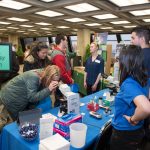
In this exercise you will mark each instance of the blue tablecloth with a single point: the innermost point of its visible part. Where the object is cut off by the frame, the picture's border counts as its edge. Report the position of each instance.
(11, 140)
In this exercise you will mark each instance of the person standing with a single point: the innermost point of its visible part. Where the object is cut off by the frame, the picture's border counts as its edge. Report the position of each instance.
(141, 36)
(131, 103)
(58, 57)
(93, 69)
(37, 58)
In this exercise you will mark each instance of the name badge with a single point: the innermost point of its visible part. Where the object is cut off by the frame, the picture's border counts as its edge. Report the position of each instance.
(97, 61)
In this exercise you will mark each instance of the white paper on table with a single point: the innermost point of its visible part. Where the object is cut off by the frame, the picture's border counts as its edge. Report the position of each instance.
(49, 116)
(55, 142)
(46, 127)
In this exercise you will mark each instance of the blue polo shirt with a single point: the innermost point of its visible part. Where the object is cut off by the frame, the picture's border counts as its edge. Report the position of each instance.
(124, 104)
(93, 68)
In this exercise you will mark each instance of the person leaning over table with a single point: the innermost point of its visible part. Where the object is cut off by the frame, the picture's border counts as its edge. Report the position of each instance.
(29, 87)
(131, 103)
(93, 69)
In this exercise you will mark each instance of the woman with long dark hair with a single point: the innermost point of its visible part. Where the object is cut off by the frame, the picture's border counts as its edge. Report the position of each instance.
(37, 58)
(131, 103)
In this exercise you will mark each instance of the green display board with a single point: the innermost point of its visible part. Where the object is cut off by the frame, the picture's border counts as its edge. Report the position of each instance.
(79, 79)
(5, 57)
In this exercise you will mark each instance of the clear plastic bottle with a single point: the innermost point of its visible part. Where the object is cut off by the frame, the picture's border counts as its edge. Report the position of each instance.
(96, 99)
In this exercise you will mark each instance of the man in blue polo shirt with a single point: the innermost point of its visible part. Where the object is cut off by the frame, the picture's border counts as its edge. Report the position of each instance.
(93, 69)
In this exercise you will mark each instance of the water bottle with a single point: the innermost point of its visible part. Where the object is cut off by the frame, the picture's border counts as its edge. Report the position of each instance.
(96, 99)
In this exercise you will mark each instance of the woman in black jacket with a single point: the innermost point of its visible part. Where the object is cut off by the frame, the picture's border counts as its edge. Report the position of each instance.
(37, 58)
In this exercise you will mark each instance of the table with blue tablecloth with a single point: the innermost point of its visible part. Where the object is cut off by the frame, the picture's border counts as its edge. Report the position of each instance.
(11, 140)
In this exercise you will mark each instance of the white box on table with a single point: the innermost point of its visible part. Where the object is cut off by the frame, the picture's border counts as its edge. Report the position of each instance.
(73, 102)
(55, 142)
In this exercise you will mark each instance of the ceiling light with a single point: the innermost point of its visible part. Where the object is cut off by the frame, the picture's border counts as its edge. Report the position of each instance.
(83, 7)
(48, 32)
(20, 31)
(13, 4)
(49, 13)
(128, 2)
(140, 12)
(105, 16)
(27, 26)
(146, 20)
(106, 28)
(17, 19)
(45, 28)
(93, 24)
(62, 27)
(75, 29)
(3, 29)
(12, 28)
(116, 30)
(32, 30)
(2, 22)
(47, 0)
(75, 19)
(120, 22)
(129, 26)
(43, 23)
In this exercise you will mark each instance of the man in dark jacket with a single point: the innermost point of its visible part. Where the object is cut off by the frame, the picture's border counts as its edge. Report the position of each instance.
(141, 36)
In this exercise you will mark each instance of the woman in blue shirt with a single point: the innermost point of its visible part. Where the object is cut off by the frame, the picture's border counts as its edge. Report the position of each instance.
(131, 103)
(93, 69)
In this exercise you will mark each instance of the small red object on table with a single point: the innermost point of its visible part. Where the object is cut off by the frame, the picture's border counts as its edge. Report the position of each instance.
(93, 106)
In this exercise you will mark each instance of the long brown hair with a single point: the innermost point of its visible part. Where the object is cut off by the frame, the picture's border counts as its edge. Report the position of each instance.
(48, 73)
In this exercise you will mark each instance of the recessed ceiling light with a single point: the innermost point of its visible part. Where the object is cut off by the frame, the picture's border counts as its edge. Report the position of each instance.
(13, 4)
(146, 20)
(93, 24)
(2, 22)
(128, 2)
(83, 7)
(62, 27)
(116, 30)
(120, 22)
(43, 23)
(3, 29)
(75, 19)
(12, 28)
(48, 32)
(47, 0)
(45, 28)
(20, 31)
(32, 30)
(105, 16)
(75, 29)
(17, 19)
(140, 12)
(106, 28)
(27, 26)
(129, 26)
(49, 13)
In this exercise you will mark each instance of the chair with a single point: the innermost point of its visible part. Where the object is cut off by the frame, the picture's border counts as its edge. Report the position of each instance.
(103, 139)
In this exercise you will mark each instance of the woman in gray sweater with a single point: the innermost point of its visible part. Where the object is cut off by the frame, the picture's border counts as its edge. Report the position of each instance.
(27, 88)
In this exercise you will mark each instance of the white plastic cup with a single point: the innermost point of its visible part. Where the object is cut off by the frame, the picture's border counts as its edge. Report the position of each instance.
(78, 134)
